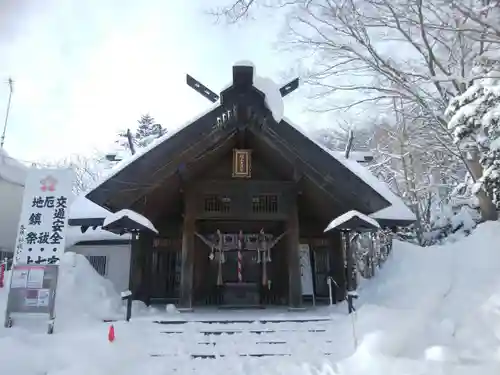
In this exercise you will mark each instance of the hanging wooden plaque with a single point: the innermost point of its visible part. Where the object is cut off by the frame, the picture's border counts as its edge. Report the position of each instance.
(242, 163)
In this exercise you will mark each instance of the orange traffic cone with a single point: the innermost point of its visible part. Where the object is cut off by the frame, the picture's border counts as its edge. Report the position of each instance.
(111, 333)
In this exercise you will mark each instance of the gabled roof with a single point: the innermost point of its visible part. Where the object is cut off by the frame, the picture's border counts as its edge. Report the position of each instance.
(242, 109)
(353, 220)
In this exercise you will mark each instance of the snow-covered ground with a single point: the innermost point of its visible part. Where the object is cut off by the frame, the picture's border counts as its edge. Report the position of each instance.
(430, 310)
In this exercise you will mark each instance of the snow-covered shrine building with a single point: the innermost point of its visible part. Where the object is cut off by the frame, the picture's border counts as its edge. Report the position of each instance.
(233, 194)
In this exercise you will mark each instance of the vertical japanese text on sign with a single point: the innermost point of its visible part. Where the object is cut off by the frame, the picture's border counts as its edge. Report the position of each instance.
(44, 217)
(242, 163)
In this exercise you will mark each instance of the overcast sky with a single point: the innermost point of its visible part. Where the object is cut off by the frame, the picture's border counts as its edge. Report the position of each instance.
(85, 69)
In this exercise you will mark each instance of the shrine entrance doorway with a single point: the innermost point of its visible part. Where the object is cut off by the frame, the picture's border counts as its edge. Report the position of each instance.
(241, 264)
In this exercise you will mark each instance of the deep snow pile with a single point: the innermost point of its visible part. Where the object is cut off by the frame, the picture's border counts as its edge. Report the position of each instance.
(83, 293)
(438, 302)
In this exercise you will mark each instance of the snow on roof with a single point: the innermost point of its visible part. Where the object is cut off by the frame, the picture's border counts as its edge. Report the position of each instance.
(84, 208)
(74, 235)
(348, 216)
(361, 156)
(396, 211)
(132, 215)
(245, 63)
(12, 170)
(273, 98)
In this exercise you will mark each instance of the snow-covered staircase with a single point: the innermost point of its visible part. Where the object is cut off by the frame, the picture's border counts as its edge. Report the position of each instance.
(212, 340)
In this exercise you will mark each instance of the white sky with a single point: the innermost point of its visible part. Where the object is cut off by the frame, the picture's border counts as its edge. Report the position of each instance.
(85, 69)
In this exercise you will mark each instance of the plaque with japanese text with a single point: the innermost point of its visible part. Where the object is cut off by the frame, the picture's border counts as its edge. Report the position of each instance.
(242, 163)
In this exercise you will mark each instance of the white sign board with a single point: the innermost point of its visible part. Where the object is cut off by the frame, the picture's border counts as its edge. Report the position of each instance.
(306, 270)
(44, 218)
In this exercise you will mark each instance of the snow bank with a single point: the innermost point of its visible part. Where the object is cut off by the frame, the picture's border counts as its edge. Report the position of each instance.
(84, 294)
(439, 301)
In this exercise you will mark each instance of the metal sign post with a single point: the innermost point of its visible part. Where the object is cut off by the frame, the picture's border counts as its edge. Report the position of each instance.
(33, 292)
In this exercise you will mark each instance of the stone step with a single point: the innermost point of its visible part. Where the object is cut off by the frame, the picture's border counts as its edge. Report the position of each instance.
(240, 331)
(243, 321)
(216, 356)
(214, 343)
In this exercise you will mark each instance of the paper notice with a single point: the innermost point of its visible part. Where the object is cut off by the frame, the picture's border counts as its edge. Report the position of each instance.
(35, 278)
(31, 299)
(19, 278)
(43, 297)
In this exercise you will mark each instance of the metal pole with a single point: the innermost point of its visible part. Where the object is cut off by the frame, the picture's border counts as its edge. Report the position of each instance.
(11, 87)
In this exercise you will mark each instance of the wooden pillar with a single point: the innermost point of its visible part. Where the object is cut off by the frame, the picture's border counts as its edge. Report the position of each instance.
(337, 265)
(294, 278)
(132, 275)
(133, 281)
(350, 267)
(146, 241)
(187, 256)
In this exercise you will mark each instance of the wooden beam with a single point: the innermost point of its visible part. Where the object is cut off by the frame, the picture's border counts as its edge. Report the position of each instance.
(201, 89)
(187, 257)
(294, 278)
(289, 87)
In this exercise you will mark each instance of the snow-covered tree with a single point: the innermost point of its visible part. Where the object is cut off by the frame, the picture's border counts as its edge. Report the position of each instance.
(147, 131)
(88, 170)
(475, 119)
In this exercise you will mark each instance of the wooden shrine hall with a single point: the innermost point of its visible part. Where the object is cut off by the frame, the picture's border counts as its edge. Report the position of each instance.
(234, 196)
